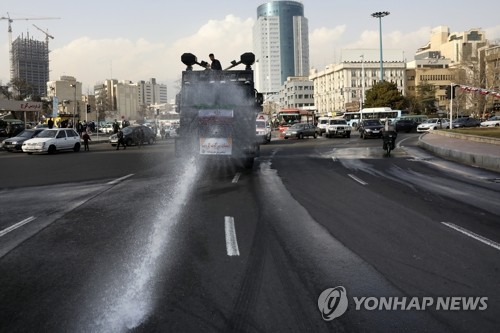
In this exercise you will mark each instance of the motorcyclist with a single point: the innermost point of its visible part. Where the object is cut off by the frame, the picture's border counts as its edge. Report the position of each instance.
(387, 130)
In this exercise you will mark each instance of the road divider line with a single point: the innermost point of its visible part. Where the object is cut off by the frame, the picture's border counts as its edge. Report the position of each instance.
(236, 177)
(231, 241)
(473, 235)
(116, 181)
(15, 226)
(357, 179)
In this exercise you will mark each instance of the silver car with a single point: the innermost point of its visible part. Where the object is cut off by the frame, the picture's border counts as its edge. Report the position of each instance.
(432, 124)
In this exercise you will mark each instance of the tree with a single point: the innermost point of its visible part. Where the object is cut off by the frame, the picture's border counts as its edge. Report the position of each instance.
(5, 92)
(426, 98)
(20, 88)
(385, 94)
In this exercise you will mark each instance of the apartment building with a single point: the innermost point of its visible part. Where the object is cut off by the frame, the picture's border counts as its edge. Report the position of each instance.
(341, 87)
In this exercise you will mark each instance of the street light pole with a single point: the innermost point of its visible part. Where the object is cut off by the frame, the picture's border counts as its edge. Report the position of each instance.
(379, 15)
(74, 107)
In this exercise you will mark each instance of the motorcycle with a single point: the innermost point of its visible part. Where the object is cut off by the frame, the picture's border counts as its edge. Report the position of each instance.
(389, 141)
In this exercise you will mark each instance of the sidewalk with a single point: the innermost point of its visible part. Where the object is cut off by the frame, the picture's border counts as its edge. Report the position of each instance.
(465, 149)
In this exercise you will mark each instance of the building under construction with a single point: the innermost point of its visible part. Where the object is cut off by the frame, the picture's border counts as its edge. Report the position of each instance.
(30, 62)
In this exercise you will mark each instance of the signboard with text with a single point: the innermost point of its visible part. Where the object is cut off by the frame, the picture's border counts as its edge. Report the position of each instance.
(10, 105)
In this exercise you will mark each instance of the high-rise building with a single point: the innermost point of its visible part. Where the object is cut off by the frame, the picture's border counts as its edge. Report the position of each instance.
(281, 44)
(151, 92)
(30, 62)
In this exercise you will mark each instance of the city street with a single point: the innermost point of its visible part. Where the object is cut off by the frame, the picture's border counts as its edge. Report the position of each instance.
(138, 240)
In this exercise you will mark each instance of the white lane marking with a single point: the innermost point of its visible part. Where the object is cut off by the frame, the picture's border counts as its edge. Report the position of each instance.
(15, 226)
(473, 235)
(116, 181)
(231, 241)
(357, 179)
(236, 177)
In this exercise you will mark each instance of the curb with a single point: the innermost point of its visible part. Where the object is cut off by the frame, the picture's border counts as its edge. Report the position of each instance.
(475, 138)
(479, 160)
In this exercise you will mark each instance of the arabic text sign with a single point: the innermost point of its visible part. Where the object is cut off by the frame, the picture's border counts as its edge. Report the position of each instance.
(11, 105)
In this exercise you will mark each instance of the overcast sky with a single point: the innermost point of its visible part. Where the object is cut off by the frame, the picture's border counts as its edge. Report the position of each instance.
(139, 40)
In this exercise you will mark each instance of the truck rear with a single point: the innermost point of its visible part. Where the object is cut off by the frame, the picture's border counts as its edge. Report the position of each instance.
(218, 110)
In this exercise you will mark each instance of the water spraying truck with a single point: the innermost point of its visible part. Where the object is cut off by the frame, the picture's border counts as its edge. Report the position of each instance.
(218, 110)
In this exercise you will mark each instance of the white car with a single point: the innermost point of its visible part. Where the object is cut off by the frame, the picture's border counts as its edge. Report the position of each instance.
(322, 124)
(338, 127)
(52, 140)
(263, 131)
(432, 124)
(491, 122)
(106, 128)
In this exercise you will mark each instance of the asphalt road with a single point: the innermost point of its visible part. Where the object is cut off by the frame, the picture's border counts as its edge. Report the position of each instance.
(137, 240)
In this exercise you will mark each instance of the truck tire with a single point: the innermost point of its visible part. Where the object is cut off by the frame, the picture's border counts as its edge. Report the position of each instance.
(248, 162)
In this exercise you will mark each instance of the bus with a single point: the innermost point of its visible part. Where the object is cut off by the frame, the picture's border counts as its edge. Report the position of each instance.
(353, 118)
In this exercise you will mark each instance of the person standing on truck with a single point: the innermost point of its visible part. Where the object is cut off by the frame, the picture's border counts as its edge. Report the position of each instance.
(215, 63)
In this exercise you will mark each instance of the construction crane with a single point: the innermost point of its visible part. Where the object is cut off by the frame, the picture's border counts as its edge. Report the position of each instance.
(47, 36)
(10, 20)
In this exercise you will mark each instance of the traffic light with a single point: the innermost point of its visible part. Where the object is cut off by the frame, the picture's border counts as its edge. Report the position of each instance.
(88, 108)
(451, 92)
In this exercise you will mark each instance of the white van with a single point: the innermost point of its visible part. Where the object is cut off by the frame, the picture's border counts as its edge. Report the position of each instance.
(322, 124)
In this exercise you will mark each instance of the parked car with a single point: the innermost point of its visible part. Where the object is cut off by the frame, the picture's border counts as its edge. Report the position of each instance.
(52, 140)
(370, 128)
(466, 122)
(16, 127)
(338, 127)
(491, 122)
(15, 143)
(432, 124)
(405, 125)
(106, 128)
(301, 130)
(131, 135)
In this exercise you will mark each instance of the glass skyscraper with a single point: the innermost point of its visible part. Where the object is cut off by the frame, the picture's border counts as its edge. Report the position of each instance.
(281, 44)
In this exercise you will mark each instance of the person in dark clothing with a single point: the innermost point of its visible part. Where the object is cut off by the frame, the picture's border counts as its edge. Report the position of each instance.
(116, 127)
(215, 63)
(50, 123)
(86, 139)
(121, 141)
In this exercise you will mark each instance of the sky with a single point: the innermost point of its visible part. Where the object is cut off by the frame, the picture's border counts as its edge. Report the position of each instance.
(139, 40)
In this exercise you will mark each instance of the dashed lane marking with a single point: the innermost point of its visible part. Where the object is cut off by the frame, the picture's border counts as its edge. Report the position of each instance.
(236, 178)
(473, 235)
(17, 225)
(362, 182)
(231, 241)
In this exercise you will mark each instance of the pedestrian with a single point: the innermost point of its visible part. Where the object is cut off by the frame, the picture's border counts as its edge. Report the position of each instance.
(162, 132)
(215, 63)
(116, 127)
(50, 123)
(140, 136)
(121, 141)
(86, 139)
